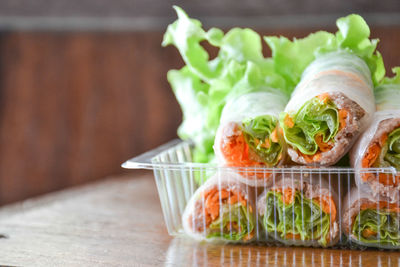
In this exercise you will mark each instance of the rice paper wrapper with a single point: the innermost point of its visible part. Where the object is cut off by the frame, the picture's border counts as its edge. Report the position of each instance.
(342, 75)
(311, 185)
(382, 120)
(387, 97)
(352, 205)
(268, 102)
(320, 77)
(249, 106)
(194, 213)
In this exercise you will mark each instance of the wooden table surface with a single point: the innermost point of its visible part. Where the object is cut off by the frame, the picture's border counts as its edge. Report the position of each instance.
(118, 222)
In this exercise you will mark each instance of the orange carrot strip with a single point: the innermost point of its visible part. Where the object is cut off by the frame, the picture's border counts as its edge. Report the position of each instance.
(320, 142)
(288, 121)
(367, 232)
(287, 194)
(327, 205)
(293, 236)
(323, 97)
(274, 136)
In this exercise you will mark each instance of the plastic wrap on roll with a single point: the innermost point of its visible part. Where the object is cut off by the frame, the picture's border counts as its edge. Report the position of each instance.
(221, 210)
(379, 146)
(249, 135)
(369, 221)
(300, 210)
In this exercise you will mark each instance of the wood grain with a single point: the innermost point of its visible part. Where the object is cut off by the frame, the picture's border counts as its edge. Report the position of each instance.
(118, 222)
(75, 105)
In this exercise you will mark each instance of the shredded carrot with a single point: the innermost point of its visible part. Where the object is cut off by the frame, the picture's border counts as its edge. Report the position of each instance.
(287, 194)
(214, 198)
(248, 236)
(388, 179)
(311, 158)
(274, 136)
(327, 205)
(371, 155)
(373, 152)
(370, 158)
(321, 145)
(288, 121)
(237, 153)
(323, 97)
(267, 143)
(293, 236)
(367, 232)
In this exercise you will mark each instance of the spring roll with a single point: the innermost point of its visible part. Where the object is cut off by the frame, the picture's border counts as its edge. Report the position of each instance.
(379, 146)
(300, 210)
(328, 109)
(372, 222)
(249, 134)
(221, 209)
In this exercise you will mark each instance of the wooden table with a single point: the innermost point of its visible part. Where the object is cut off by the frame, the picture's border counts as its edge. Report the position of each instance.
(118, 222)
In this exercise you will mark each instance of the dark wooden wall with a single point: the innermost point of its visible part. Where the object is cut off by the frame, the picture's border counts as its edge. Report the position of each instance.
(75, 105)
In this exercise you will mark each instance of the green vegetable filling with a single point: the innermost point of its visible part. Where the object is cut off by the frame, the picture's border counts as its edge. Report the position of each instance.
(390, 153)
(234, 223)
(302, 217)
(258, 133)
(372, 226)
(315, 118)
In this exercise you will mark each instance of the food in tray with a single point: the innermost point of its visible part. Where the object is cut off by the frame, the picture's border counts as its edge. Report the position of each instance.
(249, 134)
(300, 211)
(330, 78)
(372, 222)
(331, 105)
(221, 209)
(311, 101)
(379, 145)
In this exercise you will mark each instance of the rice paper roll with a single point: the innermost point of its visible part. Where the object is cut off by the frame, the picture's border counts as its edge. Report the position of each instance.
(249, 134)
(379, 146)
(300, 210)
(328, 109)
(221, 210)
(369, 221)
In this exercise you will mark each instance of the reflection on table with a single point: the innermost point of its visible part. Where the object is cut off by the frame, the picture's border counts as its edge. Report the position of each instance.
(186, 252)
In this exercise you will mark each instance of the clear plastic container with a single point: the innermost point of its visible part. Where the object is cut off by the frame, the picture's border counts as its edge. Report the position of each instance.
(293, 206)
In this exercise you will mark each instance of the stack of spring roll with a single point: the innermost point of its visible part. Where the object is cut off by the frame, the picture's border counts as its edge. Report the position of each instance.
(328, 110)
(331, 108)
(371, 215)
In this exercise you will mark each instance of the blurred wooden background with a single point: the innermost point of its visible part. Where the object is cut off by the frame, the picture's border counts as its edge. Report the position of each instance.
(75, 104)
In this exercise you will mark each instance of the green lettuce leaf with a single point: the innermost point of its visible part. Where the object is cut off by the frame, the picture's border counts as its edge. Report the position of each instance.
(315, 117)
(259, 129)
(302, 217)
(222, 226)
(385, 224)
(390, 153)
(292, 57)
(204, 86)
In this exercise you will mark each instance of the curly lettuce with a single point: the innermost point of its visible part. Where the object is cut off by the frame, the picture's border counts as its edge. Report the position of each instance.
(303, 217)
(377, 227)
(390, 152)
(203, 86)
(316, 118)
(292, 57)
(261, 135)
(233, 223)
